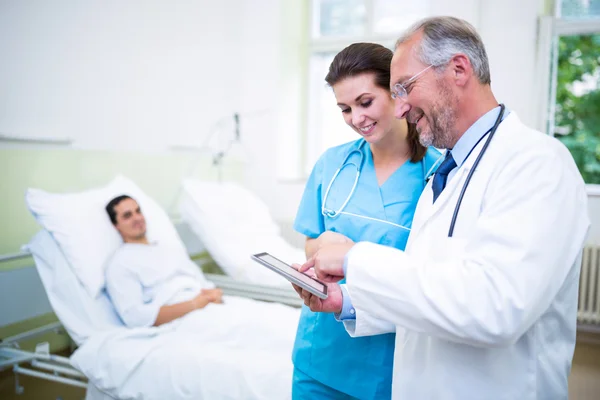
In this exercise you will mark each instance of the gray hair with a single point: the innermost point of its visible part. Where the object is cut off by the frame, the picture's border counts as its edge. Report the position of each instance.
(443, 38)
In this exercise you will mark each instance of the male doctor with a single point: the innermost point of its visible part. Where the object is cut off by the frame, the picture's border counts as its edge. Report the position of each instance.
(490, 312)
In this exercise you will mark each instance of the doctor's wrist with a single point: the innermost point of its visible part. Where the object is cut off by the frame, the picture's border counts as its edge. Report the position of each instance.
(347, 311)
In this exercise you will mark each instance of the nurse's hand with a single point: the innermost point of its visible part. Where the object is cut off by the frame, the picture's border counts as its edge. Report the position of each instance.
(324, 239)
(330, 237)
(328, 262)
(333, 302)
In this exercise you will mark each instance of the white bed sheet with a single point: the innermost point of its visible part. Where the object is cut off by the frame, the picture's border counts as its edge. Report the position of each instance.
(232, 224)
(239, 350)
(185, 360)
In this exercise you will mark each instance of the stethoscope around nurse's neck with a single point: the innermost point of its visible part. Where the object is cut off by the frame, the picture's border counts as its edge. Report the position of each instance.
(331, 213)
(328, 212)
(431, 172)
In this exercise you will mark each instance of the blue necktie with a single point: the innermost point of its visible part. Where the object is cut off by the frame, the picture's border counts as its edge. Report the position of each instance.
(441, 175)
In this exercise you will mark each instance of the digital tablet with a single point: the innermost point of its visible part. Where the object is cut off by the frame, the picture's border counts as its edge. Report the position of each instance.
(314, 286)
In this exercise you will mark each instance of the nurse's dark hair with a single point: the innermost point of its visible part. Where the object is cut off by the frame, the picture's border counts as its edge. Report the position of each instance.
(371, 58)
(110, 207)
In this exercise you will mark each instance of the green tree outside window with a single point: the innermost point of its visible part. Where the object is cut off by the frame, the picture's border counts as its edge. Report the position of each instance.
(577, 113)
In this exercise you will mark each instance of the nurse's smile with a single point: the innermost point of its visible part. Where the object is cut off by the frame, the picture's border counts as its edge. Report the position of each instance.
(367, 129)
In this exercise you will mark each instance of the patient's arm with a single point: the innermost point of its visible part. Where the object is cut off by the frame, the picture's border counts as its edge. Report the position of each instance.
(174, 311)
(126, 293)
(328, 237)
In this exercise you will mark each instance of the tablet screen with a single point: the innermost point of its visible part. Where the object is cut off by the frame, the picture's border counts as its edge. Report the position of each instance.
(280, 265)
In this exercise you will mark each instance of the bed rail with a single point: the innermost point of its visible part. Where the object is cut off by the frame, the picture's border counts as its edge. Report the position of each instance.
(284, 294)
(52, 327)
(39, 364)
(14, 256)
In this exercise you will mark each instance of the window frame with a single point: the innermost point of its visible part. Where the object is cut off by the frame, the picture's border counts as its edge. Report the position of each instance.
(550, 28)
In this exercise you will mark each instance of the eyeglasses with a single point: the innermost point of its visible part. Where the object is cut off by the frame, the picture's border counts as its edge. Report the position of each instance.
(399, 90)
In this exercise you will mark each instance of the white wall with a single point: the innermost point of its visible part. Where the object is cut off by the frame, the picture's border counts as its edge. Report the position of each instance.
(117, 74)
(594, 210)
(509, 31)
(258, 77)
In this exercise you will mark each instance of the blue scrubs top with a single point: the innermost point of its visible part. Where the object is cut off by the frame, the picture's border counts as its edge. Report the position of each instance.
(360, 367)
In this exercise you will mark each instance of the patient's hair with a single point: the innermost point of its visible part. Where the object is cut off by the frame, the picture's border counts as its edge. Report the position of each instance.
(110, 207)
(362, 58)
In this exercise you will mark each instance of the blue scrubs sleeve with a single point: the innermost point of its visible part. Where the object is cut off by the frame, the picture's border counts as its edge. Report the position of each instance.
(309, 220)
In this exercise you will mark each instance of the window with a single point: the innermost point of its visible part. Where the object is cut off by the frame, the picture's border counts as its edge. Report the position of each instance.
(578, 8)
(334, 24)
(574, 107)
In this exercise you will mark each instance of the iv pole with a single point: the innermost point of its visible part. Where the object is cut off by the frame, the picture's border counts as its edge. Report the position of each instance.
(218, 157)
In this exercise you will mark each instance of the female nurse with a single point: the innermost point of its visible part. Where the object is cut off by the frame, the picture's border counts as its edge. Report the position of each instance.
(365, 190)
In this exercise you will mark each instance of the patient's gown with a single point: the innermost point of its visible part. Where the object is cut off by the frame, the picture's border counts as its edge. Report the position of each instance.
(142, 278)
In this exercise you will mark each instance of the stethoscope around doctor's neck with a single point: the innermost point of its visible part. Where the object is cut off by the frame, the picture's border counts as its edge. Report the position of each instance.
(336, 213)
(491, 132)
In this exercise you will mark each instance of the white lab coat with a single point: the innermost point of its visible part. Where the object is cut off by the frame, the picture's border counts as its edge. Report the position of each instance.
(490, 313)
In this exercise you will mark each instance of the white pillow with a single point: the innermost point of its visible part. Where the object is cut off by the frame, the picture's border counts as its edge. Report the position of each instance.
(232, 224)
(231, 207)
(81, 227)
(81, 315)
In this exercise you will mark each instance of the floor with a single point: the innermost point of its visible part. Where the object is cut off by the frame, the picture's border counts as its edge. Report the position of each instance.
(36, 389)
(584, 381)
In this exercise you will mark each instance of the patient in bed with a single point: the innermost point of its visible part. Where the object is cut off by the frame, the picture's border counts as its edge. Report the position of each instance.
(151, 284)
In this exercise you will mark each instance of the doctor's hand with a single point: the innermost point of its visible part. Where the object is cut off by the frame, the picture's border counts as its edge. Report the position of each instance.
(328, 262)
(333, 302)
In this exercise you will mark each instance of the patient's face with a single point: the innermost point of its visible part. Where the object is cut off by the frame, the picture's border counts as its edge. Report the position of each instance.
(131, 223)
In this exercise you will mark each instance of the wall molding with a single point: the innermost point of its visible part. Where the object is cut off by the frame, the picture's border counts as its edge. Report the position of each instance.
(64, 141)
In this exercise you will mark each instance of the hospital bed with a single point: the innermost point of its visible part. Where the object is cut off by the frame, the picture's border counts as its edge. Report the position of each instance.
(104, 344)
(114, 362)
(231, 222)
